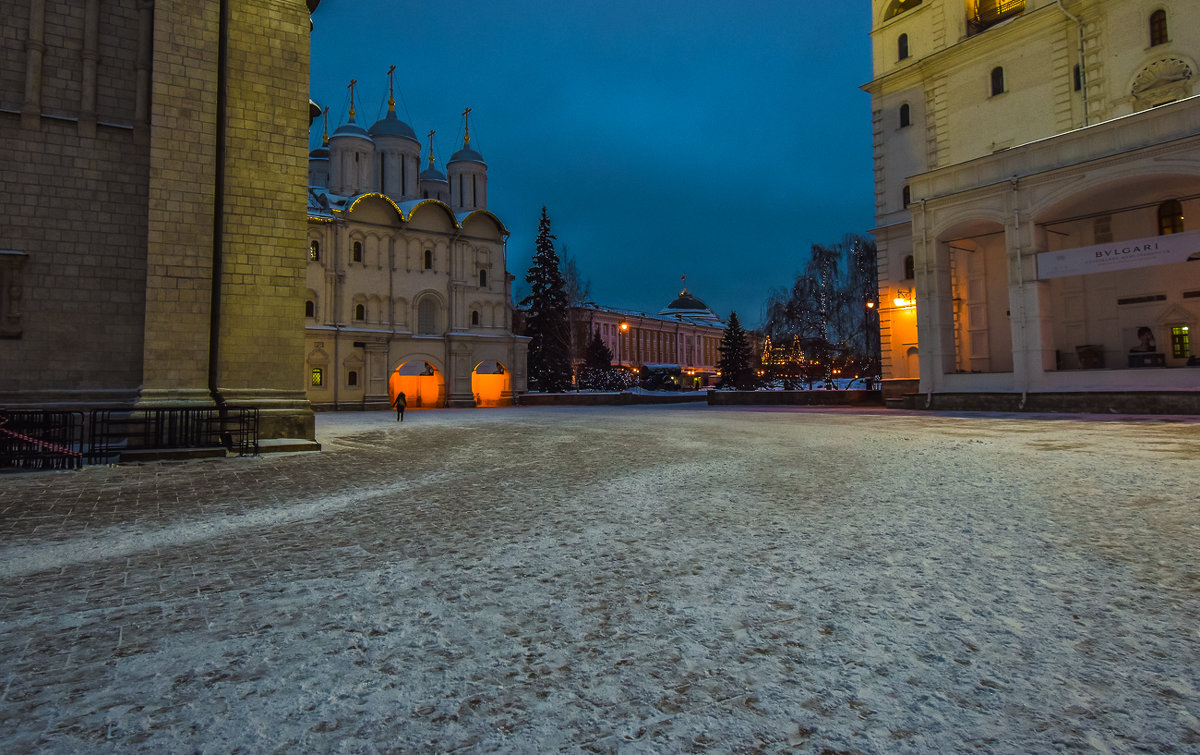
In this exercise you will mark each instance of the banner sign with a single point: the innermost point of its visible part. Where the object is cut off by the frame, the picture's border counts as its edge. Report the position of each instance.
(1121, 255)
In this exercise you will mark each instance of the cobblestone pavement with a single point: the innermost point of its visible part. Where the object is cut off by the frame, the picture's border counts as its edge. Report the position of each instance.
(616, 579)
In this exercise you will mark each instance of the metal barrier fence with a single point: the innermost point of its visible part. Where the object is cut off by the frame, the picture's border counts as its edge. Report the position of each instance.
(113, 431)
(40, 439)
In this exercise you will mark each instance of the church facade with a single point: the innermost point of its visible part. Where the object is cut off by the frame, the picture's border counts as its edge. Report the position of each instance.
(1037, 174)
(407, 285)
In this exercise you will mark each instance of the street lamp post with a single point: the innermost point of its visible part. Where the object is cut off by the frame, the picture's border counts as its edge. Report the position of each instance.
(621, 337)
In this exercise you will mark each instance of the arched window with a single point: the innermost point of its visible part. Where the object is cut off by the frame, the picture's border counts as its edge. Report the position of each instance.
(318, 377)
(483, 278)
(902, 47)
(910, 268)
(351, 378)
(905, 116)
(310, 308)
(360, 312)
(474, 316)
(997, 81)
(427, 316)
(356, 252)
(314, 250)
(1170, 217)
(1158, 28)
(905, 196)
(428, 259)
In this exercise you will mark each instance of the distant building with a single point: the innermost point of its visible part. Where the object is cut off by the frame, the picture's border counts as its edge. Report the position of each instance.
(685, 332)
(152, 251)
(408, 288)
(1037, 174)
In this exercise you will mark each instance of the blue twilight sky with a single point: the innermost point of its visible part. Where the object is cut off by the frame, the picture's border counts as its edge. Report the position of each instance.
(665, 137)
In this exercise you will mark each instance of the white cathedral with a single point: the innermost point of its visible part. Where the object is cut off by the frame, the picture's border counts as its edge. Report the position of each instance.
(408, 288)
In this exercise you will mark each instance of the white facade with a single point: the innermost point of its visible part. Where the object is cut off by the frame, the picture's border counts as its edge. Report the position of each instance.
(405, 291)
(1007, 129)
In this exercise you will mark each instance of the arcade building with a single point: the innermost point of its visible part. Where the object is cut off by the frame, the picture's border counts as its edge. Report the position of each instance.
(1037, 178)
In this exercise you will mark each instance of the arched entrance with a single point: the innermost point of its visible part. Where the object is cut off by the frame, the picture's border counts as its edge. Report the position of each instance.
(422, 383)
(491, 384)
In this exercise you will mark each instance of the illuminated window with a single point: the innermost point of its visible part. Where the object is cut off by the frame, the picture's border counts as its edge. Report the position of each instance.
(352, 378)
(1170, 217)
(997, 81)
(310, 308)
(314, 250)
(318, 377)
(428, 259)
(1158, 28)
(356, 252)
(1181, 347)
(360, 312)
(990, 12)
(905, 116)
(899, 6)
(902, 47)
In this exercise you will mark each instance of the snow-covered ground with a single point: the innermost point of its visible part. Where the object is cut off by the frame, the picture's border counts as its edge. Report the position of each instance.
(641, 579)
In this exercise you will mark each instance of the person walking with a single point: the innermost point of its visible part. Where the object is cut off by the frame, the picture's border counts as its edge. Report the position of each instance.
(400, 403)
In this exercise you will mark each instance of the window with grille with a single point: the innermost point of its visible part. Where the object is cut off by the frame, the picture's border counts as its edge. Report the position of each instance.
(1158, 28)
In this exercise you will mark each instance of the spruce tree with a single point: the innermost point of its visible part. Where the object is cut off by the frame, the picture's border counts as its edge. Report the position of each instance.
(734, 364)
(546, 322)
(597, 373)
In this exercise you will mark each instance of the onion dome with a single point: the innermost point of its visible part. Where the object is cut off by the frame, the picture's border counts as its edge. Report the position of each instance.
(466, 155)
(320, 153)
(432, 174)
(351, 129)
(390, 125)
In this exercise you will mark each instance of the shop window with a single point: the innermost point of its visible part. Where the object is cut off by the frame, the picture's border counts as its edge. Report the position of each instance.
(1181, 346)
(314, 250)
(310, 308)
(1158, 28)
(1170, 217)
(352, 378)
(360, 312)
(902, 47)
(997, 80)
(318, 377)
(356, 252)
(428, 259)
(483, 278)
(910, 268)
(905, 116)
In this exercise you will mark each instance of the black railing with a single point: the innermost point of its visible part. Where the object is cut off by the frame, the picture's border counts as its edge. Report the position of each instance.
(117, 431)
(40, 439)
